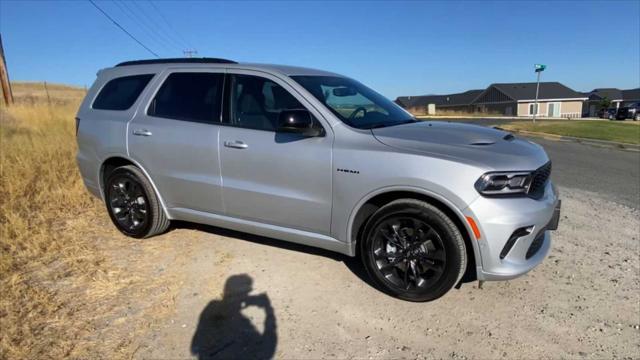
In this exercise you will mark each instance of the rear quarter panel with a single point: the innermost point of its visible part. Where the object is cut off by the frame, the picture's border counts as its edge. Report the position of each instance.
(102, 133)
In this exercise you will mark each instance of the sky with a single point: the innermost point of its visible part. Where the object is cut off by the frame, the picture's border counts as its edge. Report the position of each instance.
(397, 48)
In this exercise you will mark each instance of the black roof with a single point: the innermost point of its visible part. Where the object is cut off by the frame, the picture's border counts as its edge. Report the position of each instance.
(609, 93)
(631, 94)
(527, 91)
(202, 60)
(464, 98)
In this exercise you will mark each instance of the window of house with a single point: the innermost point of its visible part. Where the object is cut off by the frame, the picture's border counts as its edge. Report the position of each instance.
(120, 93)
(533, 109)
(190, 97)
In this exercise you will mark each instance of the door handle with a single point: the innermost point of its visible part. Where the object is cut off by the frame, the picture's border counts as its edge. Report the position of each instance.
(236, 144)
(142, 132)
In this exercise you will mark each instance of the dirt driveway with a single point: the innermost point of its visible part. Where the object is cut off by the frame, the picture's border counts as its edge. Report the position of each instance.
(216, 293)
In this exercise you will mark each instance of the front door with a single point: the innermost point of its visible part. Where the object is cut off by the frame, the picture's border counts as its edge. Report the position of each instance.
(269, 177)
(175, 138)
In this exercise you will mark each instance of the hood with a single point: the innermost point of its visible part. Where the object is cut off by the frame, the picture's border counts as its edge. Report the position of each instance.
(490, 148)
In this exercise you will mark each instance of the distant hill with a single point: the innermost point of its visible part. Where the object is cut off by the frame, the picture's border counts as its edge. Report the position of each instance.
(33, 92)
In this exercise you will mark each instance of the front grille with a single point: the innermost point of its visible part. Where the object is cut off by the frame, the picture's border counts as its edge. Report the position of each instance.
(536, 244)
(539, 181)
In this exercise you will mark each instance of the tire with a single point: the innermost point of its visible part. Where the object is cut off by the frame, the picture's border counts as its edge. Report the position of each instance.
(429, 251)
(132, 203)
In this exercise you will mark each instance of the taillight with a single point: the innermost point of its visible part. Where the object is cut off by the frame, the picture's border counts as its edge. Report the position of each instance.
(77, 125)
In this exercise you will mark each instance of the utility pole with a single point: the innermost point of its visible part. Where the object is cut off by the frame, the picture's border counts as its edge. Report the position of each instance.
(4, 77)
(190, 53)
(539, 68)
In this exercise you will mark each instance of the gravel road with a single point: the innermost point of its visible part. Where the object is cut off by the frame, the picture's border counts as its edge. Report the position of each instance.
(218, 293)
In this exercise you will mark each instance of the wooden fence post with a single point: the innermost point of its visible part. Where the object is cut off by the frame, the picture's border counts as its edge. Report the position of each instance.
(46, 90)
(4, 77)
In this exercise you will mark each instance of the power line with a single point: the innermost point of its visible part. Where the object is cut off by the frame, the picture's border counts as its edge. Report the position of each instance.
(160, 31)
(128, 11)
(123, 29)
(166, 21)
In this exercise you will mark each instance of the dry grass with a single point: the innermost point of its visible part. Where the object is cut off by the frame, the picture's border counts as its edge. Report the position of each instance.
(56, 285)
(72, 286)
(42, 209)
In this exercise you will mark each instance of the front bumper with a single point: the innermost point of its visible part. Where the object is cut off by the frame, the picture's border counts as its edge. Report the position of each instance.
(498, 219)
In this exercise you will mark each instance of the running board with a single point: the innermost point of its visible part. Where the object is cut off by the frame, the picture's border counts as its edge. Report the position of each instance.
(267, 230)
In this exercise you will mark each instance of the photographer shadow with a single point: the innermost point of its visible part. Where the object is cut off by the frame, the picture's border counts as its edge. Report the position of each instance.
(223, 332)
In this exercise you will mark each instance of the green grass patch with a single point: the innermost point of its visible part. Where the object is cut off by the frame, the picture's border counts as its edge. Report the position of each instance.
(625, 132)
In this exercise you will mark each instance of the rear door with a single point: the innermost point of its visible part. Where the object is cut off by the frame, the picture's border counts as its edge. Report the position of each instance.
(270, 177)
(174, 136)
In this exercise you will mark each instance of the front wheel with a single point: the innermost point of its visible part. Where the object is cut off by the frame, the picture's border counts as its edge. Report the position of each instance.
(412, 250)
(132, 204)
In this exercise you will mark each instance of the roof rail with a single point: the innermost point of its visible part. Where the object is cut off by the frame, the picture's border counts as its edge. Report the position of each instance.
(203, 60)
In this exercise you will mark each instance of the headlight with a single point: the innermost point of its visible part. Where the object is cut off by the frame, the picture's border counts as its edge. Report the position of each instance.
(504, 183)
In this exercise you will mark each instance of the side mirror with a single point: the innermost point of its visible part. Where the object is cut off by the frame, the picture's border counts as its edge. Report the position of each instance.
(298, 122)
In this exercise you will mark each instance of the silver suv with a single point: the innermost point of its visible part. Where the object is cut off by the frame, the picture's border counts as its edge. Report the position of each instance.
(315, 158)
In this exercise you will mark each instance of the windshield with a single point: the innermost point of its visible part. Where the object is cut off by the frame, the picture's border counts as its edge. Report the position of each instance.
(355, 104)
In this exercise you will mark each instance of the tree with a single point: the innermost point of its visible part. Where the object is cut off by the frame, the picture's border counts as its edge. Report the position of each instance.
(605, 103)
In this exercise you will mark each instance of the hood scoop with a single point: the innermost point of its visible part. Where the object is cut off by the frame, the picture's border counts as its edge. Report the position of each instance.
(482, 143)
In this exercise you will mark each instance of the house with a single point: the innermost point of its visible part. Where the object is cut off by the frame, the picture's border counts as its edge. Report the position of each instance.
(518, 99)
(455, 102)
(511, 99)
(617, 98)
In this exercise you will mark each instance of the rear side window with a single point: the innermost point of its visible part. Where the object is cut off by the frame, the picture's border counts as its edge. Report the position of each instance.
(121, 93)
(189, 96)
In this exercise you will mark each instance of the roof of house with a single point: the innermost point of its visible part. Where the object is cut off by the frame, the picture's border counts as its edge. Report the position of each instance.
(631, 94)
(609, 93)
(464, 98)
(527, 91)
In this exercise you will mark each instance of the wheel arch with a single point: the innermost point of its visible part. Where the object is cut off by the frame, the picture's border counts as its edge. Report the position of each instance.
(373, 201)
(115, 161)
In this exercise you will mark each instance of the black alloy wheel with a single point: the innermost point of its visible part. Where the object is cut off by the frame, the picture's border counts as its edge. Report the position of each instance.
(128, 203)
(413, 251)
(132, 203)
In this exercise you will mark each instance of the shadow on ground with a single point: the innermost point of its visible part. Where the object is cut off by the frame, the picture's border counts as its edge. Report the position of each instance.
(223, 332)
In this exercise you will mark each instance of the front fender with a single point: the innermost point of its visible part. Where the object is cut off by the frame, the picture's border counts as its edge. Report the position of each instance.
(459, 213)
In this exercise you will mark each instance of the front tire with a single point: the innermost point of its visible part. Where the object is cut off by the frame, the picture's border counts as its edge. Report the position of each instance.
(132, 203)
(413, 251)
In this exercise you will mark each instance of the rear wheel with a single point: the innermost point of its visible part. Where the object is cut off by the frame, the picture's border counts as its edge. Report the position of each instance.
(413, 251)
(132, 203)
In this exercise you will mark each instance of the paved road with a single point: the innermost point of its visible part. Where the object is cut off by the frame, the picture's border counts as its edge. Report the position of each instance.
(614, 174)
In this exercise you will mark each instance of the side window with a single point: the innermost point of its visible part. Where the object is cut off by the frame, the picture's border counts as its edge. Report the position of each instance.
(256, 102)
(121, 93)
(189, 96)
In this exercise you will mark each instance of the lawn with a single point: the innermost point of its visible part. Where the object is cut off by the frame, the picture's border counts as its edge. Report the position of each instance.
(624, 132)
